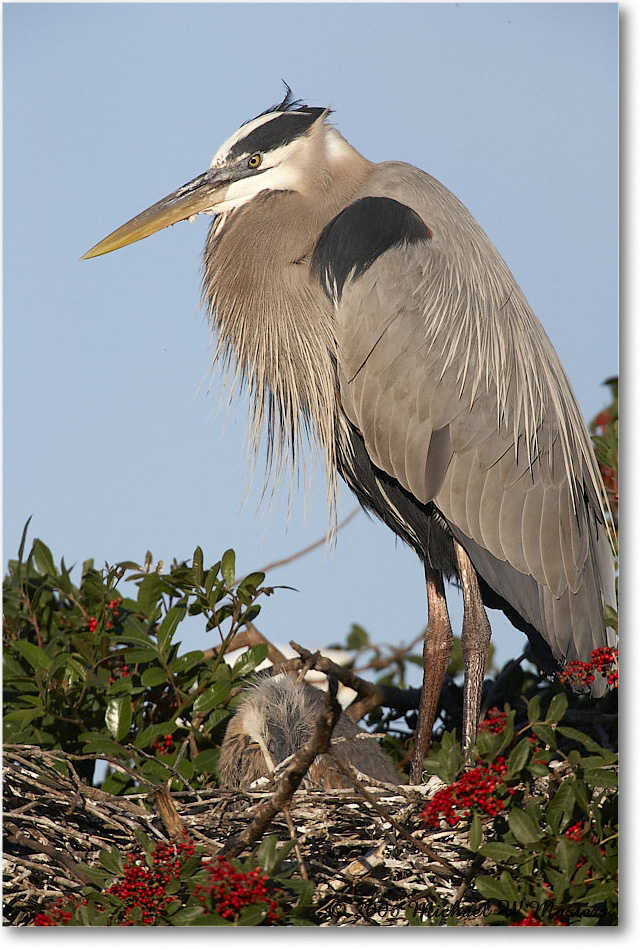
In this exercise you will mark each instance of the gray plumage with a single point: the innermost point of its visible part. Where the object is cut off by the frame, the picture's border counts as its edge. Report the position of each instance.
(275, 719)
(363, 306)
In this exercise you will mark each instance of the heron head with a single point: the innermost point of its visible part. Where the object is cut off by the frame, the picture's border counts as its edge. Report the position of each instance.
(283, 149)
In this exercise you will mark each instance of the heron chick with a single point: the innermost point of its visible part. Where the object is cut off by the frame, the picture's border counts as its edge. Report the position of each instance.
(276, 718)
(363, 303)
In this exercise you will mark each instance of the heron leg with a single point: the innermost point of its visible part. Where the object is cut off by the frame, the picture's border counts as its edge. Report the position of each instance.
(475, 640)
(438, 644)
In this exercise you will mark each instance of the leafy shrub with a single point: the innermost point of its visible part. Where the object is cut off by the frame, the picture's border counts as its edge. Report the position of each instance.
(180, 885)
(541, 815)
(89, 670)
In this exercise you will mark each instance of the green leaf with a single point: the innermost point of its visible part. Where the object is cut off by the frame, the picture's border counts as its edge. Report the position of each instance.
(154, 771)
(266, 854)
(211, 920)
(518, 758)
(252, 915)
(494, 889)
(112, 861)
(228, 567)
(249, 660)
(557, 708)
(601, 778)
(118, 716)
(43, 557)
(475, 833)
(168, 627)
(95, 874)
(611, 617)
(249, 585)
(138, 637)
(212, 697)
(59, 663)
(581, 793)
(590, 744)
(187, 915)
(187, 661)
(153, 676)
(545, 733)
(106, 746)
(211, 579)
(255, 579)
(116, 782)
(487, 744)
(501, 852)
(190, 866)
(24, 716)
(568, 854)
(523, 826)
(358, 638)
(35, 657)
(144, 841)
(560, 808)
(23, 539)
(219, 715)
(149, 591)
(144, 655)
(509, 886)
(532, 710)
(206, 762)
(147, 736)
(197, 566)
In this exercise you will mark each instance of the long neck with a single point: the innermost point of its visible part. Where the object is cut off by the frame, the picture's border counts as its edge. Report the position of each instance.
(274, 324)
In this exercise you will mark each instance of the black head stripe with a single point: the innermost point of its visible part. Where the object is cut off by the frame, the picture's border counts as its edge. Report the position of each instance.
(353, 241)
(279, 131)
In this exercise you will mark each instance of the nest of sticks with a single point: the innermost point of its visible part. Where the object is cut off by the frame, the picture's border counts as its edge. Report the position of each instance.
(366, 850)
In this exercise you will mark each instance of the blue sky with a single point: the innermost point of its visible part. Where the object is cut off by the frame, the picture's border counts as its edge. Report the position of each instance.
(113, 439)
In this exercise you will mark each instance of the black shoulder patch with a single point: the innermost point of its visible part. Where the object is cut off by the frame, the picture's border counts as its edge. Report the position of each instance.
(278, 131)
(352, 241)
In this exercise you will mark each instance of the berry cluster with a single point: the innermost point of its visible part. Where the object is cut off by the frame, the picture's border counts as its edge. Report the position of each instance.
(164, 744)
(55, 916)
(143, 893)
(603, 660)
(574, 832)
(478, 789)
(494, 722)
(113, 606)
(145, 887)
(229, 890)
(530, 920)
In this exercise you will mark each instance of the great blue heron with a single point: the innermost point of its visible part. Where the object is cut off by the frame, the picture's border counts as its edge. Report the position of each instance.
(363, 302)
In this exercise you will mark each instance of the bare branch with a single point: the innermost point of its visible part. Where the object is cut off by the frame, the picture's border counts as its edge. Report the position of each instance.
(306, 550)
(369, 694)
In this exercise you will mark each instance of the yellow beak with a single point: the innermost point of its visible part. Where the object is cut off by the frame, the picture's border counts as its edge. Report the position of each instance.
(203, 193)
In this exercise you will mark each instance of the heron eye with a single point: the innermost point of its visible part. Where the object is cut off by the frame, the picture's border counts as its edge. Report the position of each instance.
(255, 160)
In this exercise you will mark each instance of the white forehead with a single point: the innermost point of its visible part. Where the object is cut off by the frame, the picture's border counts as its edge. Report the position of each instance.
(223, 151)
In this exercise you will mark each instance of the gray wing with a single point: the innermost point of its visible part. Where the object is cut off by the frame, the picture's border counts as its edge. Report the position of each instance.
(458, 394)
